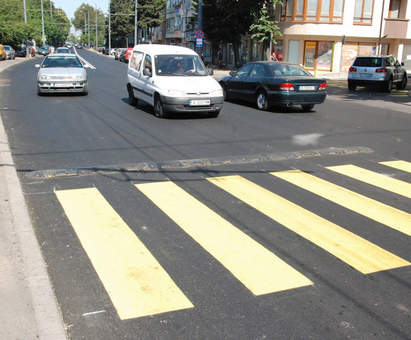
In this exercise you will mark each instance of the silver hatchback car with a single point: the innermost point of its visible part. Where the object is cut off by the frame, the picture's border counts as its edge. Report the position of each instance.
(383, 71)
(62, 72)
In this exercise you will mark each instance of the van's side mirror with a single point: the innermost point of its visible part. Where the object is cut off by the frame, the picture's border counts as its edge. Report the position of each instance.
(147, 72)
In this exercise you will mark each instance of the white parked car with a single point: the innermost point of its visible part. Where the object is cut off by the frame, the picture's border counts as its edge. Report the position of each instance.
(62, 73)
(172, 79)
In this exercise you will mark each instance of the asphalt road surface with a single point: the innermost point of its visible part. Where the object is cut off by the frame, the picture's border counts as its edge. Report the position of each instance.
(253, 225)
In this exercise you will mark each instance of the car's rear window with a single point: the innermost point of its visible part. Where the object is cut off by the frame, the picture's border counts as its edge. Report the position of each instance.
(368, 62)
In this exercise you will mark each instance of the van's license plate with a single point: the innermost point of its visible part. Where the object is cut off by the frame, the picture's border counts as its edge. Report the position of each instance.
(199, 102)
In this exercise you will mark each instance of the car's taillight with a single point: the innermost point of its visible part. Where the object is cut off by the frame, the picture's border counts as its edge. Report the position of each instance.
(287, 87)
(352, 69)
(322, 87)
(381, 70)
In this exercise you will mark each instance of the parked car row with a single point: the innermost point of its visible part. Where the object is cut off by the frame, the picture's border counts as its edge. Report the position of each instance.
(8, 52)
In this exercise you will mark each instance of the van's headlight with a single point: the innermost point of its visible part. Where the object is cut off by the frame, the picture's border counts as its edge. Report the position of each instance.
(175, 93)
(218, 92)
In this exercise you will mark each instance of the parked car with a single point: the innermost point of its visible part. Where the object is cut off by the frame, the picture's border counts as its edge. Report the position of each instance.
(268, 83)
(118, 52)
(10, 52)
(172, 79)
(122, 56)
(127, 54)
(62, 72)
(44, 50)
(21, 52)
(62, 50)
(3, 53)
(382, 71)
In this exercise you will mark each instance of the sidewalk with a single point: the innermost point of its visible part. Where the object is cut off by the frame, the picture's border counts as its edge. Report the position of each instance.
(28, 308)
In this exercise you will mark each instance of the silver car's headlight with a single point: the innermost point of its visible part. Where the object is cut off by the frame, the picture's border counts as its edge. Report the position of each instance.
(78, 77)
(45, 77)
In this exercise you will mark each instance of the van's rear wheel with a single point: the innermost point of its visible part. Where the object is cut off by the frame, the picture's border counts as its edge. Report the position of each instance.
(159, 110)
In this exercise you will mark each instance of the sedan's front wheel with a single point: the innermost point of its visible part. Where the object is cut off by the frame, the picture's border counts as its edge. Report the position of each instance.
(262, 101)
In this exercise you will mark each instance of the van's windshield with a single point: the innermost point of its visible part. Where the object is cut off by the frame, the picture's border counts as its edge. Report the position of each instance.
(177, 65)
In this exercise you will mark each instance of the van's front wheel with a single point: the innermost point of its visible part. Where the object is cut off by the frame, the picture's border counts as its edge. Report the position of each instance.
(159, 110)
(133, 101)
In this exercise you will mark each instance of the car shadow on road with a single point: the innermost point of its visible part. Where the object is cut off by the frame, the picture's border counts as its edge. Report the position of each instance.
(340, 88)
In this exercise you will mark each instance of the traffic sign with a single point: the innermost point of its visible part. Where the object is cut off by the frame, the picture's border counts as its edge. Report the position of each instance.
(199, 34)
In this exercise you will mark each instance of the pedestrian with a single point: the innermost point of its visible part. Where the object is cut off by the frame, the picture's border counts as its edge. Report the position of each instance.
(273, 57)
(220, 58)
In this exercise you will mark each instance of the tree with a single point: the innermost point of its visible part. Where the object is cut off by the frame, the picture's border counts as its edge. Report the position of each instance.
(264, 27)
(225, 21)
(85, 21)
(150, 15)
(14, 30)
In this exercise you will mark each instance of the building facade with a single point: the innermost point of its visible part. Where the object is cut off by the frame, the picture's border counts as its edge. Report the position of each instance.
(321, 35)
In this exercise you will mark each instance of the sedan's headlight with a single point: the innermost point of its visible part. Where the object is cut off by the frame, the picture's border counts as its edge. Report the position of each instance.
(45, 77)
(78, 77)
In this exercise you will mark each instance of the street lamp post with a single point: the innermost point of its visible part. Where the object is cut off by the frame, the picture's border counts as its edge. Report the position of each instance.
(96, 21)
(135, 24)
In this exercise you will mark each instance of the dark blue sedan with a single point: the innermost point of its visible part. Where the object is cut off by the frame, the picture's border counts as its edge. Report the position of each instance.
(268, 83)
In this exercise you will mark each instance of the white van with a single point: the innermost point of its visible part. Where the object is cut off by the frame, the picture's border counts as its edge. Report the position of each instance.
(172, 79)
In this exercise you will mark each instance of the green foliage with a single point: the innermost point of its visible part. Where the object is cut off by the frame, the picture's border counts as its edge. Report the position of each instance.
(14, 31)
(264, 26)
(85, 18)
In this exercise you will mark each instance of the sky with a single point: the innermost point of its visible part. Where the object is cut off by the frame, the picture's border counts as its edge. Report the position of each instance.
(70, 6)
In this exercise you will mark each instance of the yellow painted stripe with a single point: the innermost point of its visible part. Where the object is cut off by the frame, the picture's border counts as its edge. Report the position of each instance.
(136, 283)
(373, 178)
(258, 269)
(350, 248)
(377, 211)
(400, 165)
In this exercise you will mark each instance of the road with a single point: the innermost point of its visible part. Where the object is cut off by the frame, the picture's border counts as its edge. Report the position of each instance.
(253, 225)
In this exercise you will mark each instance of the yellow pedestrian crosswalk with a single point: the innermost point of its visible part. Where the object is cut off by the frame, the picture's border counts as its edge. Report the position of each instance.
(138, 285)
(134, 280)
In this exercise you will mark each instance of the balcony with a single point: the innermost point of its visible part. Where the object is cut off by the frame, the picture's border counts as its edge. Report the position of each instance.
(397, 28)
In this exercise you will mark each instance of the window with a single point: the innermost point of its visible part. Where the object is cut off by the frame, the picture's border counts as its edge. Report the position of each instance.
(313, 10)
(363, 11)
(395, 9)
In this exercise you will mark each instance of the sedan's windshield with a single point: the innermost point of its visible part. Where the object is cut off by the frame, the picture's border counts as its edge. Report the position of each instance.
(172, 65)
(61, 61)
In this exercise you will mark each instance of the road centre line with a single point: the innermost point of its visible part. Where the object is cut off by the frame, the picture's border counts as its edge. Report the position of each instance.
(136, 283)
(261, 271)
(348, 247)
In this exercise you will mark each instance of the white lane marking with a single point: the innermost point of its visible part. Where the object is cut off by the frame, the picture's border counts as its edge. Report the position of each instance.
(83, 60)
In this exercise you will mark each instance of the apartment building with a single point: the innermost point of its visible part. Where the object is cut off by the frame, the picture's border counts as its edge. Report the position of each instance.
(327, 35)
(321, 35)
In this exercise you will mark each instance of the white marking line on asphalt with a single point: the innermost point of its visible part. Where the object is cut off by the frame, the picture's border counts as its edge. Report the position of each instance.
(83, 60)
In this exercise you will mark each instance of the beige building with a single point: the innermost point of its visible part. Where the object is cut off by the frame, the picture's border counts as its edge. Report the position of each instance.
(321, 35)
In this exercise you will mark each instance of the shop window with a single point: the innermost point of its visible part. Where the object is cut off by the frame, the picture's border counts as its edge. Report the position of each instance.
(318, 55)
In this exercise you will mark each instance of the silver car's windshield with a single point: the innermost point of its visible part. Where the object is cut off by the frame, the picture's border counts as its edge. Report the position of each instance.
(175, 65)
(61, 61)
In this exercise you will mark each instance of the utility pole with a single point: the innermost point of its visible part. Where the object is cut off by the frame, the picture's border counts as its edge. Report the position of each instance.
(135, 25)
(42, 23)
